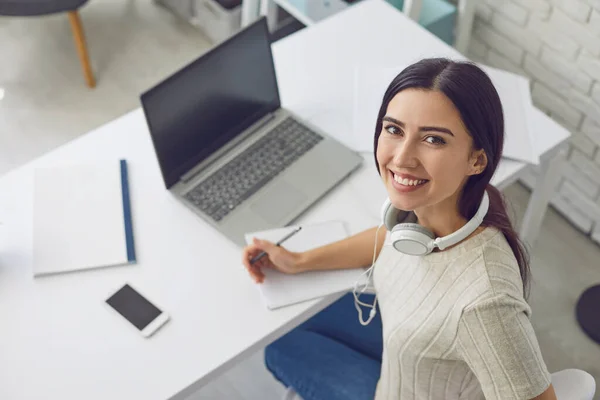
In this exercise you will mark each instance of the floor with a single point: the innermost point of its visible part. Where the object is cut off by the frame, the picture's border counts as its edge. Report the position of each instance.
(134, 44)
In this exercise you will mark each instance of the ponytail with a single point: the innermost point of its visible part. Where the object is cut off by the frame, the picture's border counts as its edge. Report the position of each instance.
(497, 217)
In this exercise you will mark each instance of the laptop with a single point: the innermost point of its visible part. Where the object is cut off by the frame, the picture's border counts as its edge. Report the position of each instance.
(229, 151)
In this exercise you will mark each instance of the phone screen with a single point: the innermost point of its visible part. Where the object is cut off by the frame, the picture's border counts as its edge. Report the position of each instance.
(134, 307)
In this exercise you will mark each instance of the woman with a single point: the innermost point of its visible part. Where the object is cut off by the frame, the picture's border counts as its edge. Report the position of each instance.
(455, 322)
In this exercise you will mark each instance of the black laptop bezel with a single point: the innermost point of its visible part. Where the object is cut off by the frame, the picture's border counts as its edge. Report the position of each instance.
(170, 178)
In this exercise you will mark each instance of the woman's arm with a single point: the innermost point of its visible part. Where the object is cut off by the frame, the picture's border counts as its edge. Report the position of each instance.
(353, 252)
(547, 395)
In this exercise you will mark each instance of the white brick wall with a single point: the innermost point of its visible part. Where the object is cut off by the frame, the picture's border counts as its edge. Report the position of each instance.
(511, 10)
(501, 43)
(566, 70)
(582, 143)
(556, 43)
(596, 92)
(577, 218)
(582, 203)
(516, 33)
(577, 31)
(477, 49)
(593, 3)
(557, 105)
(553, 38)
(595, 22)
(585, 165)
(577, 10)
(483, 11)
(499, 61)
(589, 64)
(538, 8)
(591, 129)
(584, 184)
(536, 68)
(585, 104)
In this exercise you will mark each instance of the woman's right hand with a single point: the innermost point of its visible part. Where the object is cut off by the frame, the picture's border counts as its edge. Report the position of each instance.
(277, 257)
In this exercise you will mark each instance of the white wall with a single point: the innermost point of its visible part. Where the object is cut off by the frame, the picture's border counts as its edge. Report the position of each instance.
(556, 43)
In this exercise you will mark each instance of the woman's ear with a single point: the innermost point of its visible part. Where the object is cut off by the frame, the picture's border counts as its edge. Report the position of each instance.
(478, 162)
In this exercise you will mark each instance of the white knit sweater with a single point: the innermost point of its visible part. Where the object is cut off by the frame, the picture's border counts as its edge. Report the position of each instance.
(456, 325)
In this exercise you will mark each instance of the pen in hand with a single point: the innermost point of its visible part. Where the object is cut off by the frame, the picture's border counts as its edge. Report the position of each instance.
(279, 243)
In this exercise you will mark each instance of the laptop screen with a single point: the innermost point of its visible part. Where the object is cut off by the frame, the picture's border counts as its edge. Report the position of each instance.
(201, 107)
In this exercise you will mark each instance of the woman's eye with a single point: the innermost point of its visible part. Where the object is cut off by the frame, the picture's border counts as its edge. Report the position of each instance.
(435, 140)
(394, 130)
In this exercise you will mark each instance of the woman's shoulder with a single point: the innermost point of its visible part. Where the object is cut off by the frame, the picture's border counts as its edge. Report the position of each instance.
(498, 266)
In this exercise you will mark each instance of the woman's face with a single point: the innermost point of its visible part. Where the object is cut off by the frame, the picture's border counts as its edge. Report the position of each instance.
(424, 151)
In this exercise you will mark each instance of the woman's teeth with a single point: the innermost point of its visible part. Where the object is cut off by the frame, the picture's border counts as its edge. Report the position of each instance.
(409, 182)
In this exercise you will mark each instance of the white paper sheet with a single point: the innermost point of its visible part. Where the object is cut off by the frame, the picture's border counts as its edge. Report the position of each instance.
(517, 107)
(279, 289)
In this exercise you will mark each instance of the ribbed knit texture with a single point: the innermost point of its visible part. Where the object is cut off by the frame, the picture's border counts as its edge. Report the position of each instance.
(456, 325)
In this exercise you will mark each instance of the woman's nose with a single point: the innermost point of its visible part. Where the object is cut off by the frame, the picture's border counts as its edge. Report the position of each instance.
(405, 154)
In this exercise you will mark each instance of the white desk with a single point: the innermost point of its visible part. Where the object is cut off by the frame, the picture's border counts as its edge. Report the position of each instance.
(57, 339)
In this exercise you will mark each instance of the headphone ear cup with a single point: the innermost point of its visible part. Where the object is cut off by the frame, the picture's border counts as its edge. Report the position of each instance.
(412, 239)
(389, 215)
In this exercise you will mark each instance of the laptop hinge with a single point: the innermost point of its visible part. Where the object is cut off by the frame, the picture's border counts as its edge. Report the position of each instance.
(191, 174)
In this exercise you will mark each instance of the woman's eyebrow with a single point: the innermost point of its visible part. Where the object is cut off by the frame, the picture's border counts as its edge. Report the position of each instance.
(394, 120)
(422, 128)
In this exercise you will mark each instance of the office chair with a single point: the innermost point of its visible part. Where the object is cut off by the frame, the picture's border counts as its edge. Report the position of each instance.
(587, 312)
(28, 8)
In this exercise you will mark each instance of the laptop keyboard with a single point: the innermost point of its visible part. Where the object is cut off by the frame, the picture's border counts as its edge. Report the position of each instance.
(243, 176)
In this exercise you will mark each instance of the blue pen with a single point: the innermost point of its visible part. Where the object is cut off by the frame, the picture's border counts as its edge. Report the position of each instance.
(286, 237)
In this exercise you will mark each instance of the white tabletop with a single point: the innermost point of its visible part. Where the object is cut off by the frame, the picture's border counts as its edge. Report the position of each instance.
(58, 339)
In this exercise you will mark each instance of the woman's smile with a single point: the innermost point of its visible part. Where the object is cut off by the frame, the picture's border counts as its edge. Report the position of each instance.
(406, 183)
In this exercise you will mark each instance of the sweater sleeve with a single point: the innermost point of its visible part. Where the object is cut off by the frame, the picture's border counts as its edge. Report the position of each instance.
(497, 341)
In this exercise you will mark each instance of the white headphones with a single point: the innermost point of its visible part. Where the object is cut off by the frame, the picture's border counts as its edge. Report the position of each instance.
(411, 238)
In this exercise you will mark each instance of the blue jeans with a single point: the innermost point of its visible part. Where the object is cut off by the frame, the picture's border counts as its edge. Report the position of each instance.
(331, 356)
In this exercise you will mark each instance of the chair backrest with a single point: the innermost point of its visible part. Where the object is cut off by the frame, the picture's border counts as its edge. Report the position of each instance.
(573, 384)
(28, 8)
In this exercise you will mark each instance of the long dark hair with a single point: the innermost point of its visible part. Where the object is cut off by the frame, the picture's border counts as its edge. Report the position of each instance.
(478, 103)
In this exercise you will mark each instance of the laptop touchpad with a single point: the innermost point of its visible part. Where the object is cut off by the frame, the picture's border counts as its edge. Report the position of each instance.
(278, 202)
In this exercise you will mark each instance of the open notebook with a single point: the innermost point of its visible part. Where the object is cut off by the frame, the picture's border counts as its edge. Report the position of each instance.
(81, 217)
(279, 289)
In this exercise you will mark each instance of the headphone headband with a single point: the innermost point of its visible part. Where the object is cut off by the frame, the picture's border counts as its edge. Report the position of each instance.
(468, 228)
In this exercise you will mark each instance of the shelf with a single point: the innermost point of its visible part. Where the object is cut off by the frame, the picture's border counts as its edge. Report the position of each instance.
(309, 12)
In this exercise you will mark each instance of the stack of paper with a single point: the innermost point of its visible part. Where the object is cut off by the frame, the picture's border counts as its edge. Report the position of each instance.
(279, 289)
(371, 83)
(82, 218)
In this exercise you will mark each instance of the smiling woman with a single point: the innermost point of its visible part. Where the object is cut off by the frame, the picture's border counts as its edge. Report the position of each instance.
(441, 124)
(450, 318)
(438, 142)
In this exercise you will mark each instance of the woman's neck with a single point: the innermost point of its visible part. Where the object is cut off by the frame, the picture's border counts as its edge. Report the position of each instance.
(440, 219)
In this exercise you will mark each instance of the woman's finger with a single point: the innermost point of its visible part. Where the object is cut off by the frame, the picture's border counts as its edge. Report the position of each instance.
(255, 269)
(247, 256)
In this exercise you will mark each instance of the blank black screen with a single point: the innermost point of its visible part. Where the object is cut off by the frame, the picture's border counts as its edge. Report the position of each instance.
(210, 101)
(135, 308)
